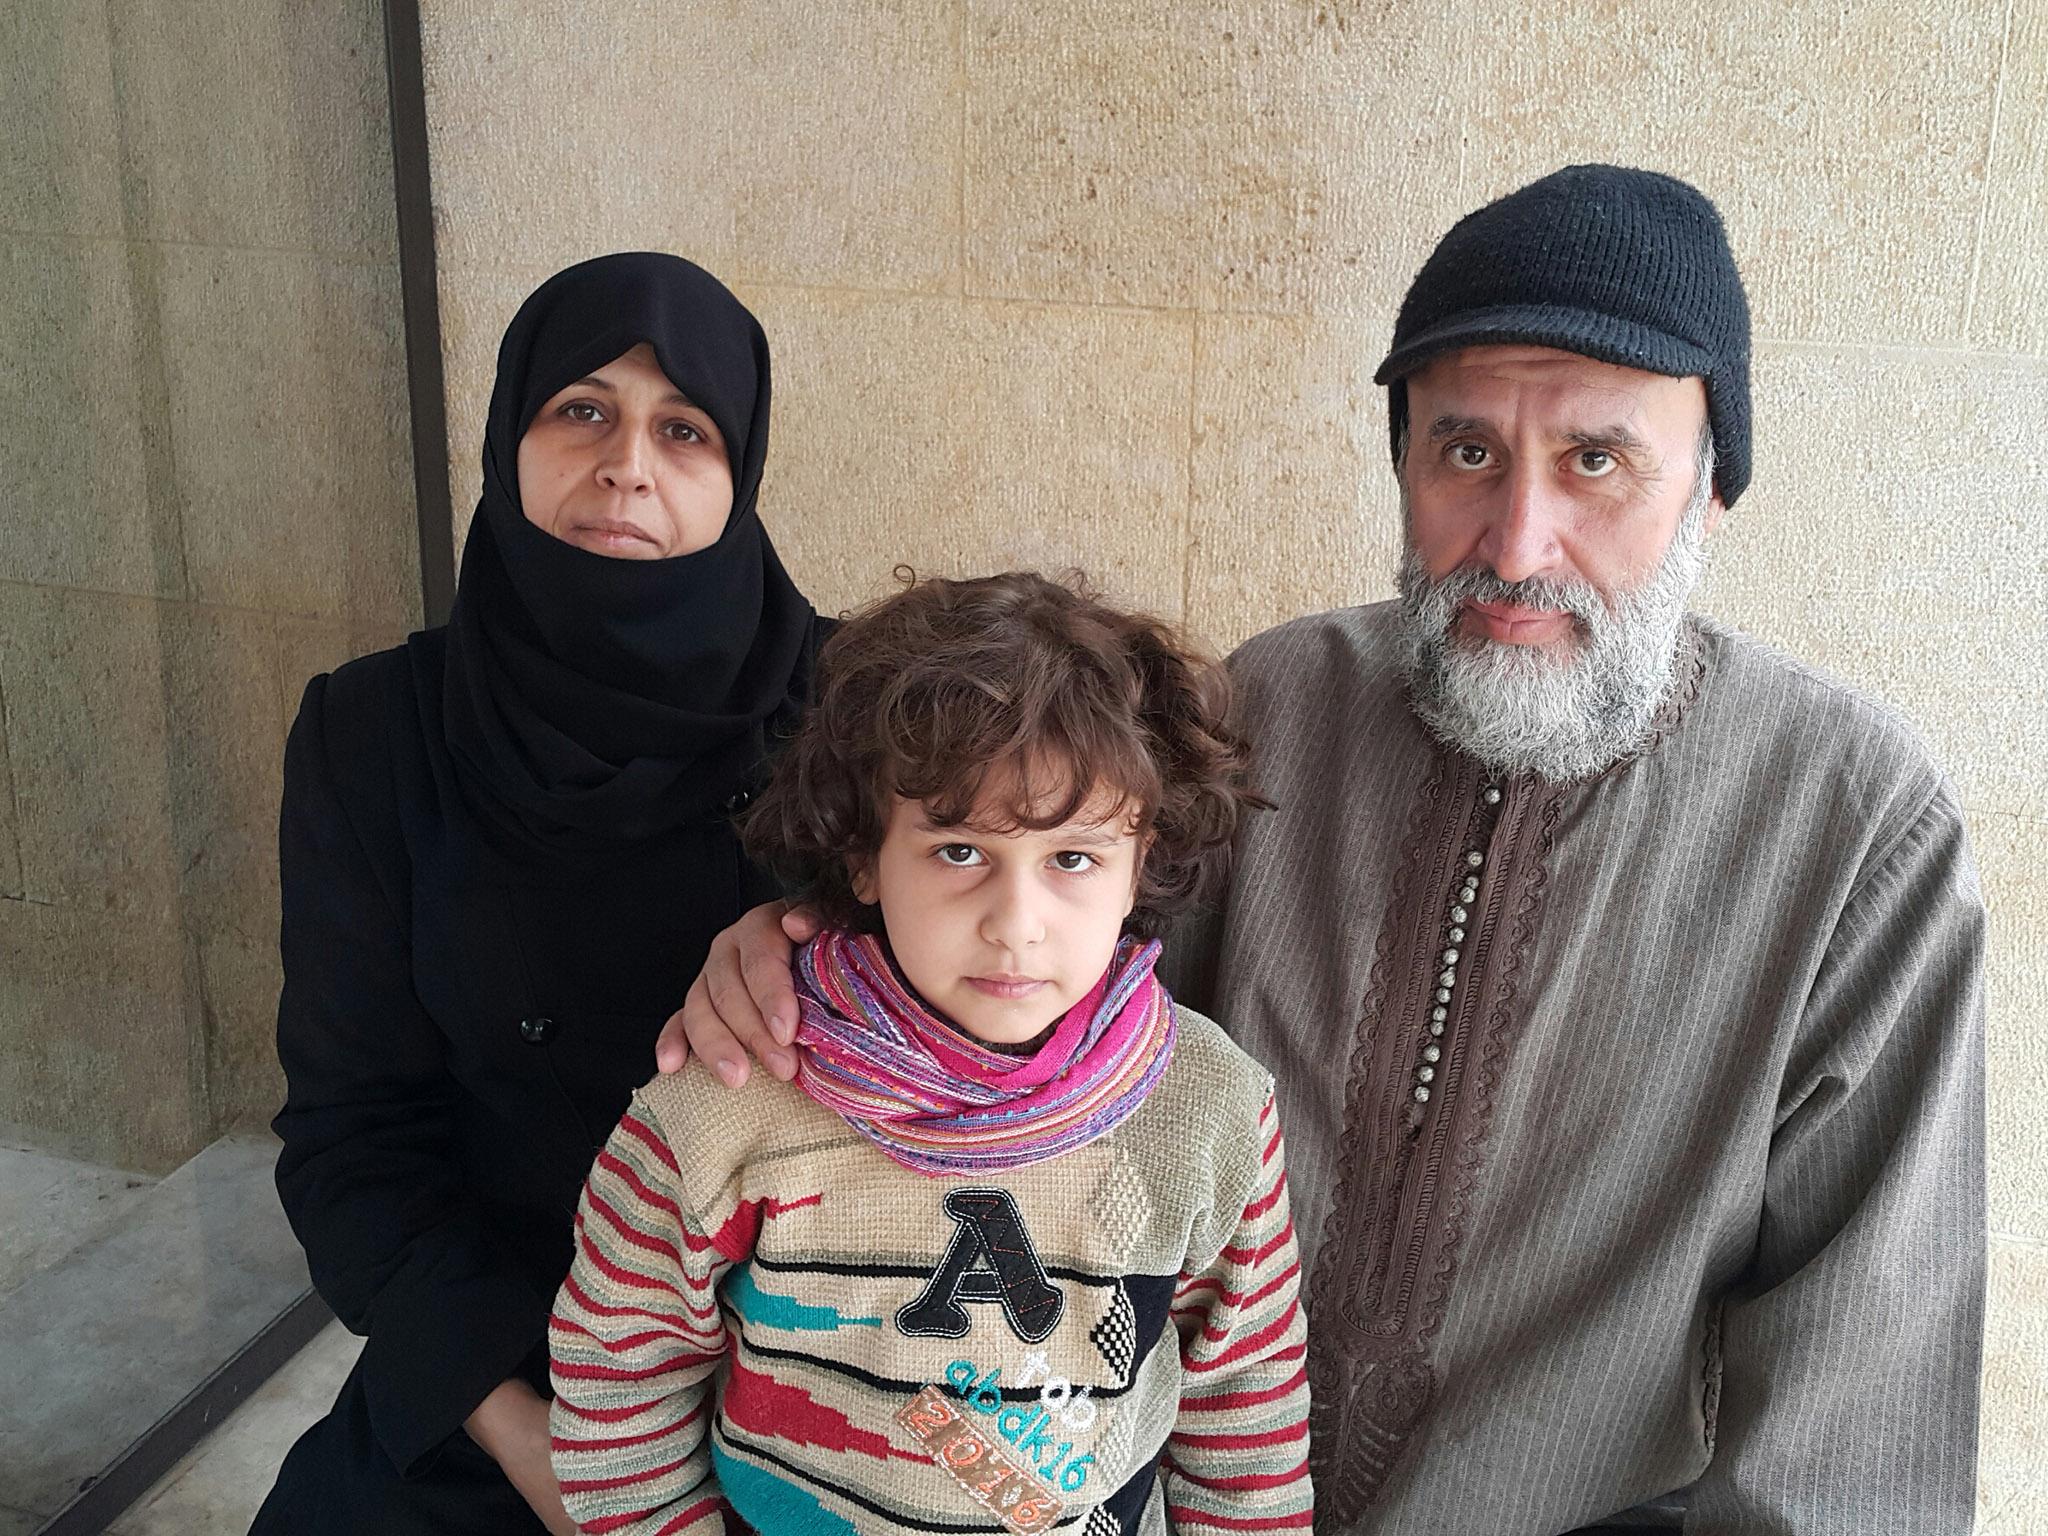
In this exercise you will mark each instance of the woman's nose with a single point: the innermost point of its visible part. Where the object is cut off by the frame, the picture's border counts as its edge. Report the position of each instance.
(626, 465)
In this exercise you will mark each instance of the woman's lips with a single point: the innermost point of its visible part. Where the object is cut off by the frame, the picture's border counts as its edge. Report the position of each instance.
(1006, 986)
(1513, 624)
(610, 535)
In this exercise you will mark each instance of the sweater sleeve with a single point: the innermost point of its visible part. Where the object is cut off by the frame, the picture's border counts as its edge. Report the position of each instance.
(635, 1340)
(369, 1174)
(1237, 1459)
(1849, 1353)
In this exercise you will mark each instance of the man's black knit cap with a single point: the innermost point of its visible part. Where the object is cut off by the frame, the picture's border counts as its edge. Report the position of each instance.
(1625, 266)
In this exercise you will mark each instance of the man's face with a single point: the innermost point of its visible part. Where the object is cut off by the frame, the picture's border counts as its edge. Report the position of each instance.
(1556, 512)
(1534, 463)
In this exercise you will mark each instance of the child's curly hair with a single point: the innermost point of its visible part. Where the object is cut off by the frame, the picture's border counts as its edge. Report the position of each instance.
(1063, 699)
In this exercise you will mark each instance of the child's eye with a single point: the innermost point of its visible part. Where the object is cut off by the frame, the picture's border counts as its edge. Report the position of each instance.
(959, 855)
(1071, 862)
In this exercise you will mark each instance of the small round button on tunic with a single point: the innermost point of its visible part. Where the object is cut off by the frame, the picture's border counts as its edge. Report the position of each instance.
(538, 1030)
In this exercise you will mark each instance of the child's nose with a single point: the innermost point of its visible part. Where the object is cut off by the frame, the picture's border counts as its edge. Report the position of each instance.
(1013, 921)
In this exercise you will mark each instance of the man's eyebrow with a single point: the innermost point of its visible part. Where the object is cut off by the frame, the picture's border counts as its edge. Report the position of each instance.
(1616, 436)
(1445, 427)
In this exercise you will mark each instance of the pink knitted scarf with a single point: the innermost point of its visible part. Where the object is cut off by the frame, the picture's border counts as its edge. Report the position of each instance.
(940, 1102)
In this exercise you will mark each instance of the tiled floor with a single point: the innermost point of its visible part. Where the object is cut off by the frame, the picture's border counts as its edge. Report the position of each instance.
(121, 1295)
(214, 1491)
(51, 1205)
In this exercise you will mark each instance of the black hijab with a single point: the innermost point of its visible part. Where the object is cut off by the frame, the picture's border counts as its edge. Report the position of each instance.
(595, 701)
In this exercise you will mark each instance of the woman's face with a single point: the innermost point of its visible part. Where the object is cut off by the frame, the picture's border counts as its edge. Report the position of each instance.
(621, 463)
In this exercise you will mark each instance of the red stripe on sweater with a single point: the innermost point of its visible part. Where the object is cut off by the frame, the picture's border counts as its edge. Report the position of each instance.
(612, 1270)
(622, 1442)
(596, 1308)
(666, 1367)
(626, 1480)
(1216, 1335)
(624, 1171)
(1187, 1518)
(1266, 1250)
(1246, 1482)
(1268, 1200)
(758, 1403)
(1248, 1441)
(1229, 1298)
(633, 1236)
(1219, 1402)
(651, 1139)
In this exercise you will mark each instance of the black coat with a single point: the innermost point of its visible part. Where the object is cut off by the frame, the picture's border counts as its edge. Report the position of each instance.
(460, 1028)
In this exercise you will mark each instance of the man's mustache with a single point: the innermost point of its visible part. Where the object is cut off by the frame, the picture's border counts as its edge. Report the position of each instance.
(1480, 582)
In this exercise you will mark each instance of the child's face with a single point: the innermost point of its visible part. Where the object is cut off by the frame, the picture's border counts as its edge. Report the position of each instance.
(1003, 932)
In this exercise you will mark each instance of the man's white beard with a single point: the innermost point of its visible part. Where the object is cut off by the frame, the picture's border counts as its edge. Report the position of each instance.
(1529, 709)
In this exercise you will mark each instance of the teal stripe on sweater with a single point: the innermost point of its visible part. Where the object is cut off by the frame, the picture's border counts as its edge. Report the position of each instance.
(755, 1305)
(767, 1503)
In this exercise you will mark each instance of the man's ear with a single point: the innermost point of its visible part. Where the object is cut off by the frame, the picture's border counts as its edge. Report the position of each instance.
(1715, 507)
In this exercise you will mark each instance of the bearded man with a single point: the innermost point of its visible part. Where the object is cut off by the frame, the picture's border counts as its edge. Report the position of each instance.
(1622, 979)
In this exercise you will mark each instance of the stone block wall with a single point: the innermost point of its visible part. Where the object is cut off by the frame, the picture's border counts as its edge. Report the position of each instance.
(1103, 282)
(205, 497)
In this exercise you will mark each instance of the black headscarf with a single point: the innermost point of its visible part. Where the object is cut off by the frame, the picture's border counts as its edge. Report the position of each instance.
(594, 700)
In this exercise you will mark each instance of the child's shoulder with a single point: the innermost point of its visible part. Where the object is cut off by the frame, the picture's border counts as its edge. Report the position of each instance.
(1213, 1070)
(1202, 1125)
(712, 1129)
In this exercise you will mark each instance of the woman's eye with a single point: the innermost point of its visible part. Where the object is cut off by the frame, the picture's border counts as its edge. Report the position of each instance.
(1073, 863)
(582, 410)
(1470, 455)
(1593, 463)
(683, 432)
(959, 855)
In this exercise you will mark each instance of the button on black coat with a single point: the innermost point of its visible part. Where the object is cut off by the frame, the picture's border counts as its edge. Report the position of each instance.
(461, 1027)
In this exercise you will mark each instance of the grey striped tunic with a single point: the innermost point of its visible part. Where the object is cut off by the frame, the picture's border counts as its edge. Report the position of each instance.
(1668, 1174)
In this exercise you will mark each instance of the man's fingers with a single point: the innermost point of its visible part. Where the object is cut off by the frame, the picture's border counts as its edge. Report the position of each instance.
(801, 925)
(672, 1046)
(723, 1025)
(772, 998)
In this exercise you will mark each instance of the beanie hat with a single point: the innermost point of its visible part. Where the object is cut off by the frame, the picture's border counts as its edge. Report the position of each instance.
(1620, 265)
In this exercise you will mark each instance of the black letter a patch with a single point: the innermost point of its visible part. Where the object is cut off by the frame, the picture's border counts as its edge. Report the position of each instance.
(991, 1259)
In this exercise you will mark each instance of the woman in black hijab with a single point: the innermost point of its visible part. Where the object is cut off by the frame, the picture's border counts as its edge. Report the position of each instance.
(505, 847)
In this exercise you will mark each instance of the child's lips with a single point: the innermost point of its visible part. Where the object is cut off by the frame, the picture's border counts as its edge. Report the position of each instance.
(1006, 986)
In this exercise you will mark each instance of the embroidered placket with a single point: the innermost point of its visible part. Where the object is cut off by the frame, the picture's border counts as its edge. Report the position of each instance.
(1436, 1030)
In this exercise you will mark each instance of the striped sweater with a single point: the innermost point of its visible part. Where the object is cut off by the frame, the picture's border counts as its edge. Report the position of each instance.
(769, 1317)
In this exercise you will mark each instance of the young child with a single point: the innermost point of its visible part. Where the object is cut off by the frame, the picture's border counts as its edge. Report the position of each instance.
(1014, 1251)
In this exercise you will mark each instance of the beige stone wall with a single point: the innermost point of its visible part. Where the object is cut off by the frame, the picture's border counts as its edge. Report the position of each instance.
(205, 496)
(1102, 282)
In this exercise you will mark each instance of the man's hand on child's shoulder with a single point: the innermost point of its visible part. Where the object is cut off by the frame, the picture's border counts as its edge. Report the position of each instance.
(743, 1003)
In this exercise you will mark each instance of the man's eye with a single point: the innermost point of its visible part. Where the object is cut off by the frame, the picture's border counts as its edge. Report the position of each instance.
(959, 855)
(1071, 862)
(1593, 462)
(1470, 455)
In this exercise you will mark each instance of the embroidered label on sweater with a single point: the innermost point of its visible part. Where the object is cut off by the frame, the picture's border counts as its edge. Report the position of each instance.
(978, 1465)
(991, 1259)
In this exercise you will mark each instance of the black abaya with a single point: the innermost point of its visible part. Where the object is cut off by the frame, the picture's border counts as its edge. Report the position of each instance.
(505, 848)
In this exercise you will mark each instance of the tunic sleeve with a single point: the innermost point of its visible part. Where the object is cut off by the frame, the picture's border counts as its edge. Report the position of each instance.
(1849, 1354)
(369, 1174)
